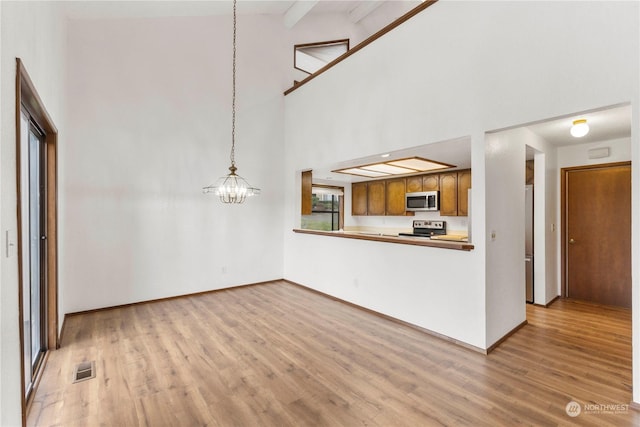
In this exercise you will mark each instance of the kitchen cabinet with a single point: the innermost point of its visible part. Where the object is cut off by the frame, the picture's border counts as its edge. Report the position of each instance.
(454, 198)
(449, 194)
(414, 184)
(387, 197)
(307, 179)
(395, 190)
(376, 198)
(464, 184)
(419, 183)
(359, 198)
(431, 182)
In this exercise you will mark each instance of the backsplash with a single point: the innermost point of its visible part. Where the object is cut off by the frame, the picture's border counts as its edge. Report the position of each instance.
(402, 224)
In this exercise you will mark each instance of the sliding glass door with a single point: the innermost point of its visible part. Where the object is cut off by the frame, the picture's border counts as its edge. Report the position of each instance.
(33, 247)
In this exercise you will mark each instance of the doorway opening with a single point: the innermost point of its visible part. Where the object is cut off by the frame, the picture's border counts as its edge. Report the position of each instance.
(529, 257)
(36, 175)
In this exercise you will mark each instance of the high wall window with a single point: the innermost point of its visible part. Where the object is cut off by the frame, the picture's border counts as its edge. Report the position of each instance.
(310, 57)
(327, 209)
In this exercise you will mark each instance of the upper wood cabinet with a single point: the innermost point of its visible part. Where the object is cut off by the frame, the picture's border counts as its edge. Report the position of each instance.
(414, 184)
(387, 196)
(359, 198)
(376, 198)
(449, 194)
(454, 199)
(431, 182)
(395, 190)
(464, 184)
(307, 179)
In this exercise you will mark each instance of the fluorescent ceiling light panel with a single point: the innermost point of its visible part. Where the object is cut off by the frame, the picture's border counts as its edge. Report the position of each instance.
(395, 167)
(362, 172)
(388, 169)
(418, 164)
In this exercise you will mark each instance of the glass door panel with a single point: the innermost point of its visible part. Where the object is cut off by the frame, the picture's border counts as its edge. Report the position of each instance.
(32, 220)
(35, 233)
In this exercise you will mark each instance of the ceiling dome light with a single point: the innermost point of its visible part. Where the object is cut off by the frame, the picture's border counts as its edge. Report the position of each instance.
(580, 128)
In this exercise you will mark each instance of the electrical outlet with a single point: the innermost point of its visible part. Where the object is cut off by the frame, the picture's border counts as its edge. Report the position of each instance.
(224, 269)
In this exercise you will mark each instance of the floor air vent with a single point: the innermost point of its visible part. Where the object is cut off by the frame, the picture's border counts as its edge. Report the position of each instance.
(84, 371)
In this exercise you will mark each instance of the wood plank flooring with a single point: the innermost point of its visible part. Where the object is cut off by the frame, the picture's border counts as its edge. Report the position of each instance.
(280, 355)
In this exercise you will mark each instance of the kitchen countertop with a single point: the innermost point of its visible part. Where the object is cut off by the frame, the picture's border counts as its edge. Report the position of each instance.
(391, 238)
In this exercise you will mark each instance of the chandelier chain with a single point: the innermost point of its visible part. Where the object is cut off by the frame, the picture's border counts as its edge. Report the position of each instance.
(233, 93)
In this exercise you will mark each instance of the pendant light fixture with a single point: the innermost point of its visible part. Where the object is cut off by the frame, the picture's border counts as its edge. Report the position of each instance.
(232, 188)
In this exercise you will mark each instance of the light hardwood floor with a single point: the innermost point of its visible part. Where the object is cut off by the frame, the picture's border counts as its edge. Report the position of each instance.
(280, 355)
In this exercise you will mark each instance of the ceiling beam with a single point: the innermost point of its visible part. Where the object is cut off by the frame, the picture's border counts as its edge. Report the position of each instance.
(363, 9)
(297, 11)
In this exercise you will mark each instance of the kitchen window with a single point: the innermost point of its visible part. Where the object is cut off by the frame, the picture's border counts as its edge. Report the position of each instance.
(327, 209)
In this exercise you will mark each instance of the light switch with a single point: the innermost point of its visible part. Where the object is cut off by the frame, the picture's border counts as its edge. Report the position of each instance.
(493, 235)
(9, 243)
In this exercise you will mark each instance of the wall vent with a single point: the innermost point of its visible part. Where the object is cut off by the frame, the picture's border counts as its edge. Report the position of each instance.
(84, 371)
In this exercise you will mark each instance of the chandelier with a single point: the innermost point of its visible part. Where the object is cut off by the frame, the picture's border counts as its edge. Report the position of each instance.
(232, 188)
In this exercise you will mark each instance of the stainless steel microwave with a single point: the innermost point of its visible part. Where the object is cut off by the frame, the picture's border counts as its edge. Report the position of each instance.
(422, 201)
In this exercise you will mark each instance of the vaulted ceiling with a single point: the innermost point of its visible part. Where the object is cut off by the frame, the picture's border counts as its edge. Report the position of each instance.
(292, 11)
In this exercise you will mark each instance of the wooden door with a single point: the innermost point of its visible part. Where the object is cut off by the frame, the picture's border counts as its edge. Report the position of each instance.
(449, 194)
(395, 200)
(359, 198)
(598, 234)
(464, 184)
(375, 198)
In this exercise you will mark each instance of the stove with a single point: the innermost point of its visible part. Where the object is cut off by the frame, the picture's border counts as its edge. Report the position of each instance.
(426, 228)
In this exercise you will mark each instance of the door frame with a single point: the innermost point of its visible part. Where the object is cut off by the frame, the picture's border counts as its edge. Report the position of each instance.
(27, 98)
(563, 212)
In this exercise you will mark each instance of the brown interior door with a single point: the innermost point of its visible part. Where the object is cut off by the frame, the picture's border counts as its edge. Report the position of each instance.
(598, 238)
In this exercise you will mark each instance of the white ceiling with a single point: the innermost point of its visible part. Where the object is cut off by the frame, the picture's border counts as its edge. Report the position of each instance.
(604, 124)
(85, 9)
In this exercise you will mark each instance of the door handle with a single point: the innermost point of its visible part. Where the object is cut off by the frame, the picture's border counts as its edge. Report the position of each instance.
(571, 241)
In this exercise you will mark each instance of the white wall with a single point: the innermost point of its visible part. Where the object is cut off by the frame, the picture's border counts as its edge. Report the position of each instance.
(150, 125)
(149, 108)
(417, 281)
(33, 31)
(578, 155)
(465, 68)
(505, 178)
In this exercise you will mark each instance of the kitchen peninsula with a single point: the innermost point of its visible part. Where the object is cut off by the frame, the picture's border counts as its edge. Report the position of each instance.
(390, 238)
